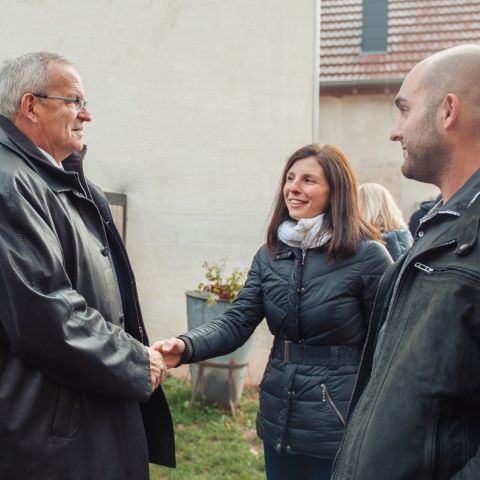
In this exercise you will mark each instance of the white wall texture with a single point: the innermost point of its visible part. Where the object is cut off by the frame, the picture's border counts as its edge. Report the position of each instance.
(196, 105)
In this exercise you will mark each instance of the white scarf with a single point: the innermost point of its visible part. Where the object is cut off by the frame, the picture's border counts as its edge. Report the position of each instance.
(304, 233)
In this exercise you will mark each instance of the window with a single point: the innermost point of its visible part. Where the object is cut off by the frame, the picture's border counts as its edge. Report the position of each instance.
(375, 26)
(118, 206)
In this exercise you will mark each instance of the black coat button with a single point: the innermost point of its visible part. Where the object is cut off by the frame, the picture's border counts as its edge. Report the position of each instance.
(105, 251)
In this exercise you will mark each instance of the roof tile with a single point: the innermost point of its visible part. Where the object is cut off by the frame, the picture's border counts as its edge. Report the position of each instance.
(416, 29)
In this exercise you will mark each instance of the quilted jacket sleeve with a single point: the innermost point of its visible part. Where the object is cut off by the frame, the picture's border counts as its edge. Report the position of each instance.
(375, 262)
(231, 330)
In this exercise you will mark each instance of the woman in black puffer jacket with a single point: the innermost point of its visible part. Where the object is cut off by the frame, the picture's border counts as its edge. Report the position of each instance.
(314, 281)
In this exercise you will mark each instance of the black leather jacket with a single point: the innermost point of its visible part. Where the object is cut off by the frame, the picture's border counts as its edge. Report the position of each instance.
(73, 366)
(415, 412)
(317, 311)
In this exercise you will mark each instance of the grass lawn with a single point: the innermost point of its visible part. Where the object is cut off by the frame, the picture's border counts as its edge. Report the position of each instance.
(212, 445)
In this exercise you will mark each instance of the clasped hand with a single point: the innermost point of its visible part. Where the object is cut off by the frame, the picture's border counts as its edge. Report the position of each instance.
(163, 355)
(171, 350)
(158, 368)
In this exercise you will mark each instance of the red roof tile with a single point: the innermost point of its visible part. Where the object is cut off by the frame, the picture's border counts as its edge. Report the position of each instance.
(416, 29)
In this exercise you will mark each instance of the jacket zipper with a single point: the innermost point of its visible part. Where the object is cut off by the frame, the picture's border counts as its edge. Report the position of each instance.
(327, 397)
(429, 270)
(367, 336)
(347, 438)
(351, 413)
(299, 294)
(423, 267)
(347, 435)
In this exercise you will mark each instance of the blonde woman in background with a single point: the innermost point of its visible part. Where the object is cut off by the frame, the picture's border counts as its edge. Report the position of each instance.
(379, 208)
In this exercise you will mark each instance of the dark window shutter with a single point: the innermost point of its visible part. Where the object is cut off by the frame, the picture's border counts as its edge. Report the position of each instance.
(375, 25)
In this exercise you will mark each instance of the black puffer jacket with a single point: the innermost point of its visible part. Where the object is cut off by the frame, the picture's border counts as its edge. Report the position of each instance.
(317, 311)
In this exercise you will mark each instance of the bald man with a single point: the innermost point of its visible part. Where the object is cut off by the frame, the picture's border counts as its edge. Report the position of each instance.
(415, 412)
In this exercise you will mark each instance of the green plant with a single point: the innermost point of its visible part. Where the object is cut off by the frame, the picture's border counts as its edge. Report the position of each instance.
(218, 286)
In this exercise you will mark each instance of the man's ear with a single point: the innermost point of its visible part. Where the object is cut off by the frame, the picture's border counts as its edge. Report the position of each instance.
(449, 110)
(28, 107)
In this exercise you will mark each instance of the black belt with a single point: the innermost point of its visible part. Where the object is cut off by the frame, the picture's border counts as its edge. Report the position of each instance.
(329, 355)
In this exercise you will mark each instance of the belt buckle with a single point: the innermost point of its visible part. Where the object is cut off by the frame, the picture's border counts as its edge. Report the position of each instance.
(287, 351)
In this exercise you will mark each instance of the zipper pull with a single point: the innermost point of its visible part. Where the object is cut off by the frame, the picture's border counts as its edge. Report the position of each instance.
(324, 392)
(423, 267)
(304, 253)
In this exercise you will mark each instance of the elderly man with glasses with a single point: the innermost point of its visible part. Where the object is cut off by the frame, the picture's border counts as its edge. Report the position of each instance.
(80, 394)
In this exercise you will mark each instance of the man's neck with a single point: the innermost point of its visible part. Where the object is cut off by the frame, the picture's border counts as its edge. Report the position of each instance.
(30, 130)
(457, 175)
(50, 158)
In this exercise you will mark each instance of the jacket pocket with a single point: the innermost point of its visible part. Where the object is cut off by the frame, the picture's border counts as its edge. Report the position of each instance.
(66, 413)
(327, 398)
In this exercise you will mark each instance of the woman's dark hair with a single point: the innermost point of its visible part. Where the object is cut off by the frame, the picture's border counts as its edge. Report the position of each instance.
(342, 217)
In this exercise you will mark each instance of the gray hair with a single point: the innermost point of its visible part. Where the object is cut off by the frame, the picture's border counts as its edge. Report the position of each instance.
(27, 73)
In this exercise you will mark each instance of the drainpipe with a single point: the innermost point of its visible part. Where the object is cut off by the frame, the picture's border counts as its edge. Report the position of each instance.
(316, 76)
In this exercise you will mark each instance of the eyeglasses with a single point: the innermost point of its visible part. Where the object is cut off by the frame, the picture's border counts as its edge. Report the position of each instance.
(80, 103)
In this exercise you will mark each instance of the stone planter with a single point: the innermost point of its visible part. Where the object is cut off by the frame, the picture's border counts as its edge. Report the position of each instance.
(217, 380)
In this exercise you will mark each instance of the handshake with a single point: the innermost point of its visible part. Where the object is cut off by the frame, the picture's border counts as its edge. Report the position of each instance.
(163, 355)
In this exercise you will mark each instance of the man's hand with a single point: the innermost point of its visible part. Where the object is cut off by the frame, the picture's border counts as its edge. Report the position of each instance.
(158, 369)
(171, 350)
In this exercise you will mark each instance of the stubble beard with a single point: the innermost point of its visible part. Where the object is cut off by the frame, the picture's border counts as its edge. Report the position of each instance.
(427, 159)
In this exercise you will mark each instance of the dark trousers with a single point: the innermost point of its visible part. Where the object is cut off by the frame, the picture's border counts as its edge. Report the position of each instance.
(286, 466)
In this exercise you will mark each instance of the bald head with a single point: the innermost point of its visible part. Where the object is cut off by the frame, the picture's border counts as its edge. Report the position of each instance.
(454, 70)
(439, 121)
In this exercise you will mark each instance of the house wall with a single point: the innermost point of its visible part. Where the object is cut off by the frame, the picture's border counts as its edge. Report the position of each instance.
(360, 126)
(196, 105)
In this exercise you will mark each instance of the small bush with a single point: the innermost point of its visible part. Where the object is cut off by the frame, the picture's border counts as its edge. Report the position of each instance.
(218, 286)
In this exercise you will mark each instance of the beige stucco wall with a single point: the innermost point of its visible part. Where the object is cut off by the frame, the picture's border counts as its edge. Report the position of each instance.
(196, 105)
(360, 126)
